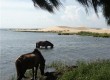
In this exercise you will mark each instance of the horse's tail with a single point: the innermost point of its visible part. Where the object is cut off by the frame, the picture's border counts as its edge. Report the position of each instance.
(42, 66)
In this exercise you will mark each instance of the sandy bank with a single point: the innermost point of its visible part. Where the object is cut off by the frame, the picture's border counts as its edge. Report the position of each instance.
(65, 29)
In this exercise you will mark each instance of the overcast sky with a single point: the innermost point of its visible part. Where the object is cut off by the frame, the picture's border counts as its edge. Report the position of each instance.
(22, 14)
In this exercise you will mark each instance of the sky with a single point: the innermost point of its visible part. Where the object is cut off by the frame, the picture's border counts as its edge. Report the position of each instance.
(22, 14)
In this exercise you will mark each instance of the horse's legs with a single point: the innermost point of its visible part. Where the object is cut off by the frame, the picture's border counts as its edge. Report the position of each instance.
(51, 47)
(36, 71)
(45, 47)
(24, 74)
(38, 46)
(32, 73)
(21, 76)
(42, 66)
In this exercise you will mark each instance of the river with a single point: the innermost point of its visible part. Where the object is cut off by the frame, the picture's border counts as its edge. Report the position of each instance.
(67, 48)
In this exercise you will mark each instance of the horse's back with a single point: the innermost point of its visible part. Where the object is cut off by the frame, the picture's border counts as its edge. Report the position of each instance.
(28, 60)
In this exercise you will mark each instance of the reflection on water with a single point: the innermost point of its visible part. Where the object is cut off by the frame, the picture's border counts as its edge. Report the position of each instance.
(68, 48)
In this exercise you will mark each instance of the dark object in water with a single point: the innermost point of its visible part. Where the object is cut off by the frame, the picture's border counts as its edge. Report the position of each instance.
(52, 75)
(30, 61)
(44, 44)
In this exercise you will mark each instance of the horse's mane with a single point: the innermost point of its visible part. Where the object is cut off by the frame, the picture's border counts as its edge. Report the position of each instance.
(37, 52)
(48, 41)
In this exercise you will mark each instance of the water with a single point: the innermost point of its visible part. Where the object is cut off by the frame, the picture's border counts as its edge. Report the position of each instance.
(68, 48)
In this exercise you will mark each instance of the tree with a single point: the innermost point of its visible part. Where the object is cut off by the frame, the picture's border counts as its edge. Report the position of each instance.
(104, 4)
(50, 5)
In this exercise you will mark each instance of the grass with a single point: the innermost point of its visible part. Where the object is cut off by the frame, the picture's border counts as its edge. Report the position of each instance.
(66, 33)
(84, 33)
(96, 70)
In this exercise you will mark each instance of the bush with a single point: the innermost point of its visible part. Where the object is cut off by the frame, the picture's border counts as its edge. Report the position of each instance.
(84, 33)
(99, 70)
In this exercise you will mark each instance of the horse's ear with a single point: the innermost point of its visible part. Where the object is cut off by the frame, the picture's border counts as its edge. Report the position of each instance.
(36, 50)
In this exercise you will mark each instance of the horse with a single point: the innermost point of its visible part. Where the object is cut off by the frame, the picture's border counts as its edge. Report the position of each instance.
(30, 61)
(44, 44)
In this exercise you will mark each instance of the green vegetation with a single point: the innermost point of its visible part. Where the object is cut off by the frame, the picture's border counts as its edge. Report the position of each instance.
(104, 35)
(66, 33)
(83, 33)
(96, 70)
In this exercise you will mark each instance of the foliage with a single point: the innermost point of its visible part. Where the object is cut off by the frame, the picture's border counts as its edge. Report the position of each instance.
(50, 6)
(95, 70)
(103, 4)
(66, 33)
(84, 33)
(98, 70)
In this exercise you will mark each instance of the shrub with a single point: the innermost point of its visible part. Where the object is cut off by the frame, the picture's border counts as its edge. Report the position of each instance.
(98, 70)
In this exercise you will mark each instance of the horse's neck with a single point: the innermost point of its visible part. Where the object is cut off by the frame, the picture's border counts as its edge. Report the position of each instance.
(38, 53)
(41, 56)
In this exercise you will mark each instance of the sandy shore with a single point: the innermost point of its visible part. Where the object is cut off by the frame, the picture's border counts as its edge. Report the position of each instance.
(65, 29)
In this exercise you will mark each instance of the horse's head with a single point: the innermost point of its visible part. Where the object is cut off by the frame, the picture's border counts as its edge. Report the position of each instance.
(36, 51)
(47, 41)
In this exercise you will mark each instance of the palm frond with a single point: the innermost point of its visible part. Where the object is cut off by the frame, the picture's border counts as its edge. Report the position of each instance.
(48, 5)
(104, 4)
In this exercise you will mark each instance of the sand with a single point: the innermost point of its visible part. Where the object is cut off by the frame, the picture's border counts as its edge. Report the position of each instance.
(65, 29)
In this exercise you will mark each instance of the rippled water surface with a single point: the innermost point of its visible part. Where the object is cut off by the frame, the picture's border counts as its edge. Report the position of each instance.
(68, 48)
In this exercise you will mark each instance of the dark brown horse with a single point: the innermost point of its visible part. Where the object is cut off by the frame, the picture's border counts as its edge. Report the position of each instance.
(44, 44)
(30, 61)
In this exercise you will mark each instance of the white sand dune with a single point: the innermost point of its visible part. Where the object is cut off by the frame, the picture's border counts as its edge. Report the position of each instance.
(73, 29)
(56, 29)
(66, 29)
